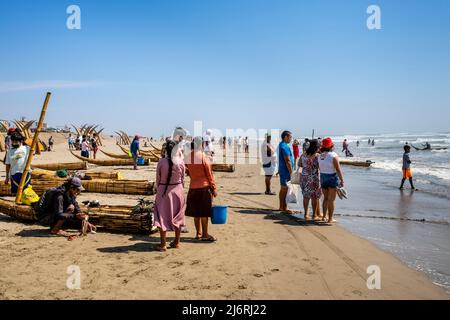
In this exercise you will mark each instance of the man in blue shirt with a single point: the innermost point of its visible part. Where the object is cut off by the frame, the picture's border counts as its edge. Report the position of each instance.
(285, 166)
(134, 149)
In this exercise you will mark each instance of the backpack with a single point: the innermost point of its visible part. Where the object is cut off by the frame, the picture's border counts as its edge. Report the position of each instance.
(43, 208)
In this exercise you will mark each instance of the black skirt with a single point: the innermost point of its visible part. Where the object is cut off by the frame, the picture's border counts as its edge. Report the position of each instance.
(199, 203)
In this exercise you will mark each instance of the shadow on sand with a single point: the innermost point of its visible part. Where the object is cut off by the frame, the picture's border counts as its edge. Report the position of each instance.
(35, 233)
(282, 218)
(146, 244)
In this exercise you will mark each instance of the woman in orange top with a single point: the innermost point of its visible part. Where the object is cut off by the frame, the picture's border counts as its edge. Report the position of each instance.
(202, 189)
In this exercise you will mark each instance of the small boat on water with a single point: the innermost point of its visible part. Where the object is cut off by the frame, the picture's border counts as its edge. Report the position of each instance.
(429, 149)
(356, 163)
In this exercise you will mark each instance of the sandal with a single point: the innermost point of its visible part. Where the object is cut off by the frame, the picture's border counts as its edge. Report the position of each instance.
(209, 239)
(160, 249)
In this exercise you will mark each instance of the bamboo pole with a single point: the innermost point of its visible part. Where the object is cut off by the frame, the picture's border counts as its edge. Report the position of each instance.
(33, 146)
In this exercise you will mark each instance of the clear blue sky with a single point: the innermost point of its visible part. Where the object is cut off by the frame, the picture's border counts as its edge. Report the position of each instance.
(147, 66)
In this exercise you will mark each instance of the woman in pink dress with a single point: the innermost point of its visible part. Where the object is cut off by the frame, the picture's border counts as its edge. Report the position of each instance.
(170, 202)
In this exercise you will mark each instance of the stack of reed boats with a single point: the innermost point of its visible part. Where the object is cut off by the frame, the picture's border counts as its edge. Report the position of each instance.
(114, 218)
(94, 174)
(102, 182)
(132, 187)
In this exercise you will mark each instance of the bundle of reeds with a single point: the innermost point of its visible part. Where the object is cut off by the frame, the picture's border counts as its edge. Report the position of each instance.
(2, 143)
(115, 156)
(16, 211)
(40, 174)
(118, 218)
(138, 187)
(223, 167)
(61, 166)
(5, 190)
(155, 156)
(106, 174)
(135, 187)
(116, 162)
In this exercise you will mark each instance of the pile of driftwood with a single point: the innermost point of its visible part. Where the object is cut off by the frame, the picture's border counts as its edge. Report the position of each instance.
(116, 218)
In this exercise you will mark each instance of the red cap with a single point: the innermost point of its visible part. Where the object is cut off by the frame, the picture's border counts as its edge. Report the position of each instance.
(327, 143)
(11, 130)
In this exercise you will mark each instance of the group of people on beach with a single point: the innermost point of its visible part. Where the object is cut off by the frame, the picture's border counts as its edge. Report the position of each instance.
(85, 144)
(320, 175)
(171, 204)
(316, 166)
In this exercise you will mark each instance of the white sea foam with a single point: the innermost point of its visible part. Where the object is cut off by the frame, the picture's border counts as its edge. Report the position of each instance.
(396, 165)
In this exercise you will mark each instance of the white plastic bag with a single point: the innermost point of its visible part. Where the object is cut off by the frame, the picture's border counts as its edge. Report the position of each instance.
(296, 177)
(291, 196)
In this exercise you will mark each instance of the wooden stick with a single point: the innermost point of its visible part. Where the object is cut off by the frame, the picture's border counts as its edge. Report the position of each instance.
(33, 146)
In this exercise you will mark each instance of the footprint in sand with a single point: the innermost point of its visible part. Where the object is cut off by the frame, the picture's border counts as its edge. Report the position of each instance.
(176, 264)
(195, 262)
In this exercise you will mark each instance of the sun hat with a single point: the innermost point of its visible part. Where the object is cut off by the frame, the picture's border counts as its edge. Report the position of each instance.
(327, 143)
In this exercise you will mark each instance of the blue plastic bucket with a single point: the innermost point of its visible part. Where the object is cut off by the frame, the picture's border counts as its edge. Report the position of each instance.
(219, 215)
(140, 161)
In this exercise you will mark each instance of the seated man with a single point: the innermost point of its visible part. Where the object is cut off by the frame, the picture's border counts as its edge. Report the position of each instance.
(62, 209)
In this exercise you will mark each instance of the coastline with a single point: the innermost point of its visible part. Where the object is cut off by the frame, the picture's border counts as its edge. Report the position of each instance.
(260, 254)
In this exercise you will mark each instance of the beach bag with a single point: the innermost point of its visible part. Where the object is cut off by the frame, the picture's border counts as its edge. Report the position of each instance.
(296, 177)
(29, 196)
(291, 196)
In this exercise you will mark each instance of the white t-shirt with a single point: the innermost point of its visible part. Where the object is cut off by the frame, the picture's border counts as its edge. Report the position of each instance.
(17, 159)
(84, 146)
(326, 164)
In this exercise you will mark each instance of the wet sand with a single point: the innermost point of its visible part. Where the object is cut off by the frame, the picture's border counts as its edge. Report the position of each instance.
(261, 254)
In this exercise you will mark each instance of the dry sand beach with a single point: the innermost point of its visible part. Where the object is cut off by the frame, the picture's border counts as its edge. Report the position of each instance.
(260, 254)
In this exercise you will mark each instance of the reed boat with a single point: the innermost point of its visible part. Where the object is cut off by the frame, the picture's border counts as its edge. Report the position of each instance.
(145, 154)
(134, 187)
(115, 162)
(62, 166)
(111, 218)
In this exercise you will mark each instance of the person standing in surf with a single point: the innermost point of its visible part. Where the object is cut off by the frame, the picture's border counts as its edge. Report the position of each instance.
(331, 178)
(406, 169)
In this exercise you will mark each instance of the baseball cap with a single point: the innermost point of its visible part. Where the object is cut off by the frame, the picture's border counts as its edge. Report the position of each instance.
(76, 182)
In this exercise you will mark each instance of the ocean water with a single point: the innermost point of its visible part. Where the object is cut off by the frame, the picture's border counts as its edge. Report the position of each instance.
(431, 169)
(414, 226)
